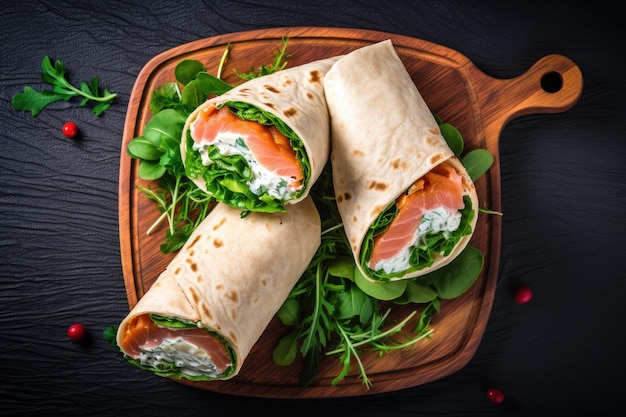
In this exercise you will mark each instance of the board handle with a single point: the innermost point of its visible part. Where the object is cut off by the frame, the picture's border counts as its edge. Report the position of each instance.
(552, 85)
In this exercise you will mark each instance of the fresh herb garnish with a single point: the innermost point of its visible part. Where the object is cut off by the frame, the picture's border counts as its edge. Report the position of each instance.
(35, 101)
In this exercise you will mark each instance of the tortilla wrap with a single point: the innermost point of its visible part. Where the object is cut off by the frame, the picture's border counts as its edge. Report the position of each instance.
(294, 96)
(225, 284)
(383, 138)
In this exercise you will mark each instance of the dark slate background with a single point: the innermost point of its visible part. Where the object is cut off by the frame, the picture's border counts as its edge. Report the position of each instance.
(563, 195)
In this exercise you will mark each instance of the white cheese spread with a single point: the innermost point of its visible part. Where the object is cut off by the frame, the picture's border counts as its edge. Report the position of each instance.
(186, 356)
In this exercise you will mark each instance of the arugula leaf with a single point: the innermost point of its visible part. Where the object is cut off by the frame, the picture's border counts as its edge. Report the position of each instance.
(54, 74)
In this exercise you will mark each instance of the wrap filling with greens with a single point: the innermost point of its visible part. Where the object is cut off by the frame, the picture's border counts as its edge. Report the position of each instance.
(407, 203)
(264, 143)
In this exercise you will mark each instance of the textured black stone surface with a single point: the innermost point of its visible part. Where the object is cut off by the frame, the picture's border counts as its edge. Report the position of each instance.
(563, 198)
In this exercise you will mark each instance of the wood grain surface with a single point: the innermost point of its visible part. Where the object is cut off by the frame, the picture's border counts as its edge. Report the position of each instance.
(478, 105)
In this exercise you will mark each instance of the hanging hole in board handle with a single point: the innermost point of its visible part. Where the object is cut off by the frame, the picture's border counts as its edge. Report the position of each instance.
(552, 82)
(559, 84)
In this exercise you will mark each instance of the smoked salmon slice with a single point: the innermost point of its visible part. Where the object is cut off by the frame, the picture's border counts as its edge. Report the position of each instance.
(442, 187)
(144, 334)
(269, 146)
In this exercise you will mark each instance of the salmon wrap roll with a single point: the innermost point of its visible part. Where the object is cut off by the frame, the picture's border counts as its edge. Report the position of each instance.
(203, 314)
(264, 143)
(407, 203)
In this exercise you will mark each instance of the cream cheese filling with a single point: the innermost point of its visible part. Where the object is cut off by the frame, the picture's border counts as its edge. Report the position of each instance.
(186, 356)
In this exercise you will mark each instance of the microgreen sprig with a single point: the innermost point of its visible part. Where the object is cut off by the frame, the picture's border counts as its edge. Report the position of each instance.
(279, 63)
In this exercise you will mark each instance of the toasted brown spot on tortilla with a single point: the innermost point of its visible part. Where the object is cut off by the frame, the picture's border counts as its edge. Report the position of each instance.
(244, 90)
(315, 76)
(219, 286)
(377, 209)
(436, 158)
(157, 284)
(309, 95)
(339, 199)
(177, 271)
(219, 224)
(466, 184)
(358, 152)
(290, 112)
(233, 295)
(287, 82)
(199, 279)
(355, 219)
(434, 131)
(194, 241)
(271, 88)
(207, 313)
(270, 105)
(395, 164)
(233, 337)
(347, 196)
(194, 265)
(378, 186)
(218, 243)
(430, 141)
(194, 295)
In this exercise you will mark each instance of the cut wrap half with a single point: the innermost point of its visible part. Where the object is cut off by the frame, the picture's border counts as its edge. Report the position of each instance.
(407, 204)
(264, 143)
(203, 314)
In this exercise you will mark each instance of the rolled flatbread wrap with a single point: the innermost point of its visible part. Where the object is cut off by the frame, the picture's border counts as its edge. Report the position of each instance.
(407, 204)
(264, 143)
(201, 317)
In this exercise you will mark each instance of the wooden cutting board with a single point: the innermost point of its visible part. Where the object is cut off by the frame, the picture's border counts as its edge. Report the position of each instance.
(458, 92)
